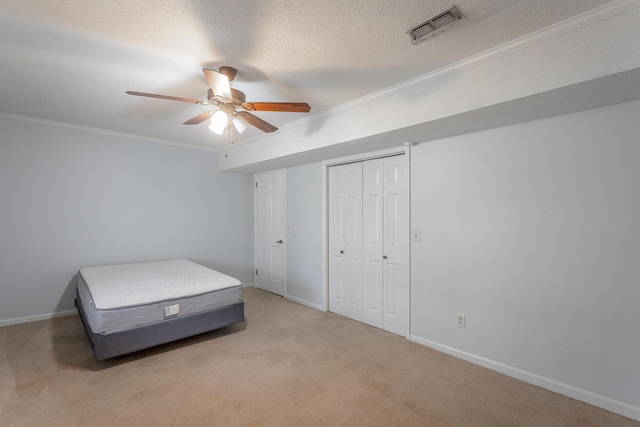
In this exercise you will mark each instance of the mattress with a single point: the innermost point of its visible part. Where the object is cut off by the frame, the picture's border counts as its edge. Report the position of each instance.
(119, 297)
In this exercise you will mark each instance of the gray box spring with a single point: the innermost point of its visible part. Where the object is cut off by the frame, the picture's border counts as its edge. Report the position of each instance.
(138, 338)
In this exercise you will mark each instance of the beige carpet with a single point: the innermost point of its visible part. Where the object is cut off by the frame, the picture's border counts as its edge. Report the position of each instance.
(285, 365)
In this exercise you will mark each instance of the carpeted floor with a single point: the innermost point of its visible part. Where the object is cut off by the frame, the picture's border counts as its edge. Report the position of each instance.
(285, 365)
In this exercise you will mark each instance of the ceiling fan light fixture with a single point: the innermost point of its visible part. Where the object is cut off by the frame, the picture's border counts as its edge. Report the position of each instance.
(434, 25)
(240, 124)
(219, 122)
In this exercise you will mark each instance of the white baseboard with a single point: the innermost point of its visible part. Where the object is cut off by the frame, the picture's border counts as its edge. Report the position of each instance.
(27, 319)
(603, 402)
(248, 285)
(303, 302)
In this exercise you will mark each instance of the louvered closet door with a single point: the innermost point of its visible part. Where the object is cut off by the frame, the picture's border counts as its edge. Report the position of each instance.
(345, 240)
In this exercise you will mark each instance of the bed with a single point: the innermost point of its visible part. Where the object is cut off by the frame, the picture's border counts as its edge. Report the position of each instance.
(130, 307)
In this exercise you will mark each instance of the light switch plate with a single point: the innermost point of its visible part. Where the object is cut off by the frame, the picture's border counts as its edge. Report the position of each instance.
(461, 321)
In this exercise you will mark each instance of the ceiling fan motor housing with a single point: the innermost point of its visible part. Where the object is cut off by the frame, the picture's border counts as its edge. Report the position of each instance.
(230, 72)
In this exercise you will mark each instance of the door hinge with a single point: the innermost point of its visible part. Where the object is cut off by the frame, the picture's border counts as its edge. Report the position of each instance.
(256, 272)
(256, 185)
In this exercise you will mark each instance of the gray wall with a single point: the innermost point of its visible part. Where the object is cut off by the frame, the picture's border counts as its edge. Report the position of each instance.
(71, 199)
(304, 234)
(530, 230)
(533, 232)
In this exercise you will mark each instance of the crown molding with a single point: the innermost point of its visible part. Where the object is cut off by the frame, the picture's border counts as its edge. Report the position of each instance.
(88, 129)
(589, 17)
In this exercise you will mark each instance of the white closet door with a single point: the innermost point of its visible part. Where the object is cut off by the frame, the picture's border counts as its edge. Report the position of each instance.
(345, 240)
(372, 222)
(369, 242)
(395, 241)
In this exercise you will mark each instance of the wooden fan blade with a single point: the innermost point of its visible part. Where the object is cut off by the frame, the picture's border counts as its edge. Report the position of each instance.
(289, 107)
(257, 122)
(199, 118)
(219, 84)
(171, 98)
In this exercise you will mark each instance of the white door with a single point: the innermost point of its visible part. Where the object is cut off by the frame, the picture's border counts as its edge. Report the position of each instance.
(373, 198)
(395, 241)
(345, 240)
(270, 254)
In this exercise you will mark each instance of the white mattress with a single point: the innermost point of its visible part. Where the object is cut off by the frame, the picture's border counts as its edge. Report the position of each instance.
(118, 286)
(118, 297)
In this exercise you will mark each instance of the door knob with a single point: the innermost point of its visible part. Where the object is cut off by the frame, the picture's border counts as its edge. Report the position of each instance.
(279, 241)
(384, 257)
(341, 252)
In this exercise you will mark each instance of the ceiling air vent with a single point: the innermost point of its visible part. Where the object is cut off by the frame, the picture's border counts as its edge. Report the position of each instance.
(433, 26)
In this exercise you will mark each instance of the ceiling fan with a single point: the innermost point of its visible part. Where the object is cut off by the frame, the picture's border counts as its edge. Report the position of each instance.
(227, 101)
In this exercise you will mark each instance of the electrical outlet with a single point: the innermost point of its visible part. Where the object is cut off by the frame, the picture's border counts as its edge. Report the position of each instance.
(462, 320)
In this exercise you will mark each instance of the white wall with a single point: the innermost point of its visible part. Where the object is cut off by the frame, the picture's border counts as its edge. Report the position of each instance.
(71, 199)
(304, 234)
(533, 232)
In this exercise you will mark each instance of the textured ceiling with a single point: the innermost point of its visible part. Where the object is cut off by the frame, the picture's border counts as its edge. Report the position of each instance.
(71, 61)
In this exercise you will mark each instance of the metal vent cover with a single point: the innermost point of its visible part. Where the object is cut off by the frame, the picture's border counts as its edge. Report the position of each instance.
(435, 25)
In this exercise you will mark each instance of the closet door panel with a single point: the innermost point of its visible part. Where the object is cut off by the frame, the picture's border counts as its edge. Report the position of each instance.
(353, 243)
(373, 199)
(336, 285)
(396, 246)
(345, 240)
(337, 217)
(391, 290)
